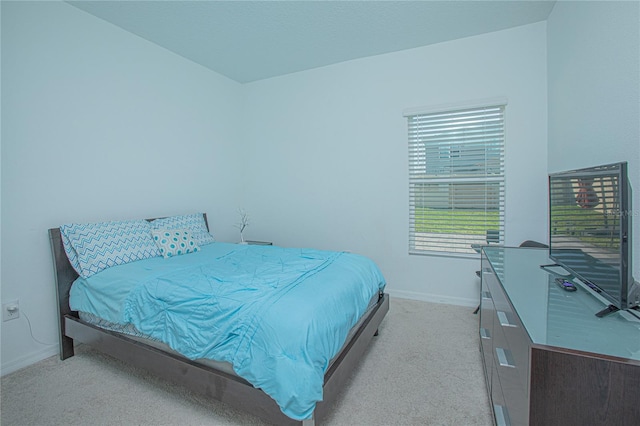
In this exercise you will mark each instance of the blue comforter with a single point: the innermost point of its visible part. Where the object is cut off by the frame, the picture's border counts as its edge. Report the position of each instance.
(277, 315)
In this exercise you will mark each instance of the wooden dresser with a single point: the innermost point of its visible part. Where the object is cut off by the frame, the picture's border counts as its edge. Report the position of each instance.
(548, 360)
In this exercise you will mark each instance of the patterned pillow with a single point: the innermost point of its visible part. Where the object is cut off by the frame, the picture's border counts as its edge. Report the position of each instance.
(98, 246)
(194, 223)
(174, 242)
(70, 251)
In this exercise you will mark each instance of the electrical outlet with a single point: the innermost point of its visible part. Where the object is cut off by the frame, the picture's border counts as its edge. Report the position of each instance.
(11, 310)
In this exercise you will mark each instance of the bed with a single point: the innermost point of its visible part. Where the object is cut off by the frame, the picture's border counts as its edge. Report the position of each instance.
(117, 306)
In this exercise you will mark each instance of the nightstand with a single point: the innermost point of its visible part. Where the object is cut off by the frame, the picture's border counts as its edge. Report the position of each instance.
(258, 243)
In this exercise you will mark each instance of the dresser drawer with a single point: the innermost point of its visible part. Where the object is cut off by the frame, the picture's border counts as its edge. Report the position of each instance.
(502, 353)
(515, 336)
(487, 319)
(509, 371)
(520, 346)
(511, 355)
(487, 315)
(486, 344)
(498, 403)
(517, 341)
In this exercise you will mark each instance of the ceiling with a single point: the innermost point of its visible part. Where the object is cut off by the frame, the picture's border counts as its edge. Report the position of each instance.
(253, 40)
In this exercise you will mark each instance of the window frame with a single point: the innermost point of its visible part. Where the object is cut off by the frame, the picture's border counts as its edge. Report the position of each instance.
(493, 181)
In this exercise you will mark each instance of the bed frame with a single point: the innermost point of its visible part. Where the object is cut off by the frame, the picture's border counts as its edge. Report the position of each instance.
(209, 381)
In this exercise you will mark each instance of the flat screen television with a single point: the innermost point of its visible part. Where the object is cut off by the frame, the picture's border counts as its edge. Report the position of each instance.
(590, 231)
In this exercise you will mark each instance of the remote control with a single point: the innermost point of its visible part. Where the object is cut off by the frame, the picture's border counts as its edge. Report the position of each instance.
(566, 284)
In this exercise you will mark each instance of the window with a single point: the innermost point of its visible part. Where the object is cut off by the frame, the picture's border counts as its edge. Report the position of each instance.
(456, 179)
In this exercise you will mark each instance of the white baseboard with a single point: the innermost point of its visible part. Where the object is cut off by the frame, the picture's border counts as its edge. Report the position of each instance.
(29, 359)
(433, 298)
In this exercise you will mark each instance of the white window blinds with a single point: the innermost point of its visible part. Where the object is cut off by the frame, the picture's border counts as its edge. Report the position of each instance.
(456, 179)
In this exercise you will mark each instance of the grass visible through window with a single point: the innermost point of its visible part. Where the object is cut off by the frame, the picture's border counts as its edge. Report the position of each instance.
(466, 222)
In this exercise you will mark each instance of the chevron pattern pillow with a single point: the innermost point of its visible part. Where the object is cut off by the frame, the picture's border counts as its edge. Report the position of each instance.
(71, 253)
(98, 246)
(194, 223)
(174, 242)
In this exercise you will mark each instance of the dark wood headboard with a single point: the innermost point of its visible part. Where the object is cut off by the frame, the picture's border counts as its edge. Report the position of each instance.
(65, 275)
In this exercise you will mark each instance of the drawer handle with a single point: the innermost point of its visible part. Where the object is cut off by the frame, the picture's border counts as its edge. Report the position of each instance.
(484, 333)
(505, 359)
(504, 320)
(502, 415)
(486, 295)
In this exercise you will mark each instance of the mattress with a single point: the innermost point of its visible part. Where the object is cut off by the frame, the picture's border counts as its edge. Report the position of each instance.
(277, 316)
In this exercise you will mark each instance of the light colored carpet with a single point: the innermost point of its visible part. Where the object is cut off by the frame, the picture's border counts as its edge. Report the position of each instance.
(424, 368)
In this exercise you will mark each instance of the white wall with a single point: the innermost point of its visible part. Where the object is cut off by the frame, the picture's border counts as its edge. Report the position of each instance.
(328, 152)
(99, 124)
(594, 91)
